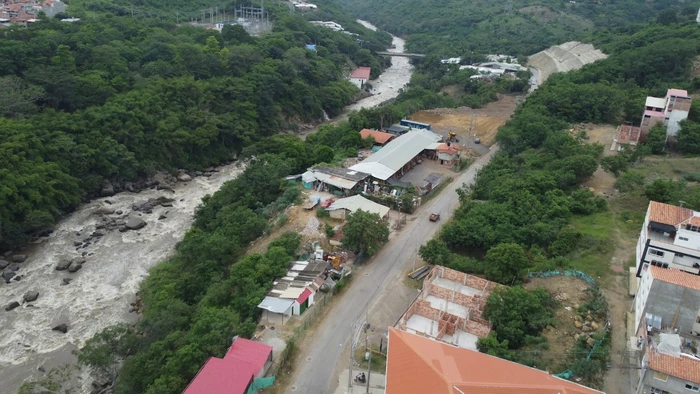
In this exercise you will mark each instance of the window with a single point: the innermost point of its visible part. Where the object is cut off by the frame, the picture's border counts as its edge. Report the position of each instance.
(656, 252)
(654, 390)
(692, 387)
(660, 376)
(683, 238)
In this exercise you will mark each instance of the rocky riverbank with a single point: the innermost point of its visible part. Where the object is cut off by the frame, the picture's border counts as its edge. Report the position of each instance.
(83, 276)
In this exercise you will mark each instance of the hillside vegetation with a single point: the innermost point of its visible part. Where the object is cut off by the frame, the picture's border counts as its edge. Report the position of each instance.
(118, 98)
(513, 27)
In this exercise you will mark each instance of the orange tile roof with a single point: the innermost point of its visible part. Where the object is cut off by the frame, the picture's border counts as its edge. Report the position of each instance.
(676, 277)
(380, 137)
(420, 365)
(686, 368)
(668, 214)
(450, 150)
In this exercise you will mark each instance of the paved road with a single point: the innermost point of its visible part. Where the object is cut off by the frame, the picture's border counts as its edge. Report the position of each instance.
(331, 338)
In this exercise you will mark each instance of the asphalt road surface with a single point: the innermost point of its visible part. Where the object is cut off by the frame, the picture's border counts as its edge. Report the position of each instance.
(324, 350)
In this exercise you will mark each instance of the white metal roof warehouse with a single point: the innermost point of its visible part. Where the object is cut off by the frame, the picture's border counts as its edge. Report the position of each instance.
(394, 155)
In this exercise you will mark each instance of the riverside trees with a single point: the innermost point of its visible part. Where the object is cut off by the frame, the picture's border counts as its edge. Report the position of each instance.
(118, 98)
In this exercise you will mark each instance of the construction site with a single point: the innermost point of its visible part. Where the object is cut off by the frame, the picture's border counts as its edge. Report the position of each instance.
(568, 56)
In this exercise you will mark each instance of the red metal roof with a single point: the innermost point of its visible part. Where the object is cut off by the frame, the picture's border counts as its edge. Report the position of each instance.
(380, 137)
(361, 72)
(304, 296)
(254, 353)
(219, 376)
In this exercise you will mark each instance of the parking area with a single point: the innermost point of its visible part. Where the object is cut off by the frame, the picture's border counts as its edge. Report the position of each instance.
(417, 175)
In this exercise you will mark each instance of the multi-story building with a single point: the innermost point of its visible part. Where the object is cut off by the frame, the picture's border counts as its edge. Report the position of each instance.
(670, 238)
(667, 323)
(669, 111)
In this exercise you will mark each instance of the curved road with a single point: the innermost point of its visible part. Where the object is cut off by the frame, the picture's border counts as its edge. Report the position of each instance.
(380, 275)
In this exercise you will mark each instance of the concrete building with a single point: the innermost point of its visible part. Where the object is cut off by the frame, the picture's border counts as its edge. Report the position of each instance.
(360, 76)
(669, 111)
(417, 364)
(331, 25)
(449, 308)
(625, 135)
(670, 238)
(667, 323)
(399, 155)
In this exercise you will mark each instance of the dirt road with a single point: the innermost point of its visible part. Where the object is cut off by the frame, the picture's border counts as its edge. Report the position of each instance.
(370, 289)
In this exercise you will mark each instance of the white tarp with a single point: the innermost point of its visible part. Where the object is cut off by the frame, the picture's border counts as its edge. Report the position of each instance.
(357, 202)
(670, 344)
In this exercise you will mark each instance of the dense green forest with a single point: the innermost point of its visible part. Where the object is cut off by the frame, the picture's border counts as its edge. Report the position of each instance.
(119, 98)
(513, 27)
(516, 215)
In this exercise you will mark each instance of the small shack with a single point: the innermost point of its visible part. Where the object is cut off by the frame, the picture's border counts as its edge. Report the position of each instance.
(360, 76)
(342, 207)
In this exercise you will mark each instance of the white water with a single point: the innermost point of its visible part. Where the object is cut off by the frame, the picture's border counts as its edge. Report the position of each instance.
(391, 80)
(100, 293)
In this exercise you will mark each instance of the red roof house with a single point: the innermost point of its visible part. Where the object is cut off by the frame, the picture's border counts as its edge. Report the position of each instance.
(244, 361)
(361, 73)
(420, 365)
(380, 137)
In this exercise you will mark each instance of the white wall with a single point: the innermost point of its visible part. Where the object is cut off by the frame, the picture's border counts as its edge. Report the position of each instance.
(674, 117)
(357, 82)
(693, 237)
(640, 300)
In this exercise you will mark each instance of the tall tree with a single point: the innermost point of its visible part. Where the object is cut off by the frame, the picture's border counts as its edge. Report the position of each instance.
(365, 232)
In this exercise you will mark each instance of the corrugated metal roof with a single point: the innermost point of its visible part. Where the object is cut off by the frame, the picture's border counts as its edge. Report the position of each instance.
(397, 153)
(219, 376)
(275, 304)
(292, 292)
(335, 180)
(357, 202)
(254, 353)
(304, 296)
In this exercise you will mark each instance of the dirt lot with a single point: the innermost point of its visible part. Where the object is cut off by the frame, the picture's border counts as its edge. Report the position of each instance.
(602, 182)
(458, 120)
(570, 293)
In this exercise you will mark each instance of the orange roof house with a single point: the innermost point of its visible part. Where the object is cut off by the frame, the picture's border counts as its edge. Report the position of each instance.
(421, 365)
(380, 137)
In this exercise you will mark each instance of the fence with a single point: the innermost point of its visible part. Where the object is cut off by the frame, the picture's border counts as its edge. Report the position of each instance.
(588, 279)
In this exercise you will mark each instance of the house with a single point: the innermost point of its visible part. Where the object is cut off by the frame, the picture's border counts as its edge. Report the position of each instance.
(398, 156)
(431, 182)
(448, 153)
(331, 25)
(244, 362)
(333, 180)
(669, 111)
(398, 129)
(306, 7)
(344, 206)
(449, 308)
(670, 238)
(380, 137)
(625, 135)
(421, 365)
(292, 294)
(667, 322)
(506, 67)
(360, 76)
(452, 60)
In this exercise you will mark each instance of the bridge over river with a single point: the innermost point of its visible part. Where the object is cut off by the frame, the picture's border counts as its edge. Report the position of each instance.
(401, 54)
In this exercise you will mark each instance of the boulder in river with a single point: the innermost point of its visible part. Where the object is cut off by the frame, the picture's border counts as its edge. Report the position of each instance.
(107, 189)
(75, 267)
(66, 281)
(78, 260)
(19, 258)
(63, 327)
(135, 224)
(104, 211)
(8, 275)
(4, 264)
(13, 267)
(184, 177)
(31, 296)
(12, 305)
(63, 265)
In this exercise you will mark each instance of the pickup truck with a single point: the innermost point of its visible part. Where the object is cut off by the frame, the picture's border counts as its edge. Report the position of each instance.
(434, 217)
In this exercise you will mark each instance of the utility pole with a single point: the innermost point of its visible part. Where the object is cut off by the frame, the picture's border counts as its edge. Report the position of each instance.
(398, 222)
(368, 346)
(177, 17)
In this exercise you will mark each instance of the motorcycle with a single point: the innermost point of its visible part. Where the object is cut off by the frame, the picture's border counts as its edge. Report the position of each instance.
(361, 378)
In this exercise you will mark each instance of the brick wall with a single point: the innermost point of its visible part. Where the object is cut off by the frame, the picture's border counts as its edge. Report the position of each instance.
(424, 309)
(455, 276)
(478, 329)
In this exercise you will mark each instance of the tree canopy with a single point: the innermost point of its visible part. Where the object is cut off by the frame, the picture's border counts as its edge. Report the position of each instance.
(365, 232)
